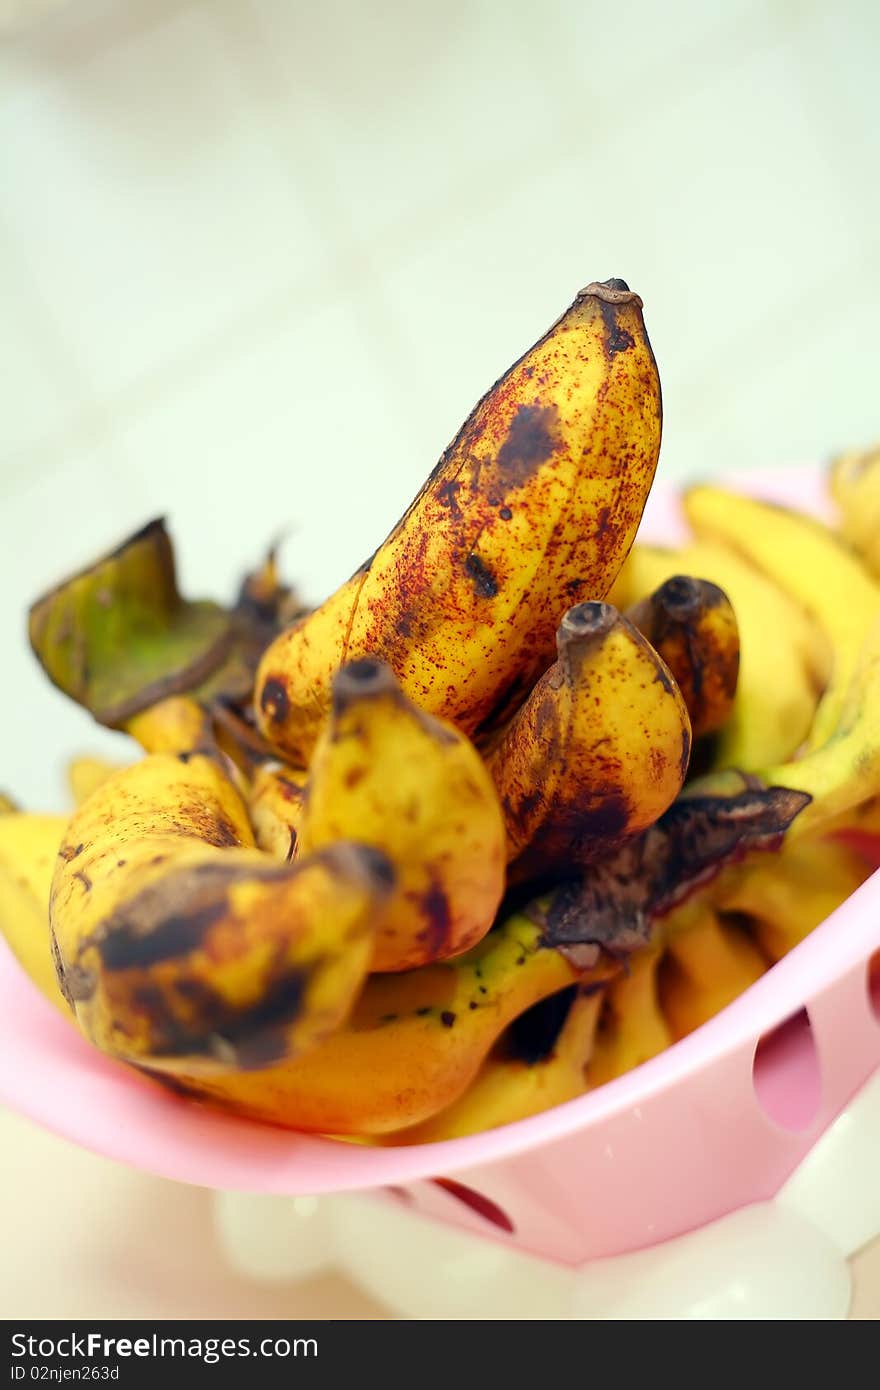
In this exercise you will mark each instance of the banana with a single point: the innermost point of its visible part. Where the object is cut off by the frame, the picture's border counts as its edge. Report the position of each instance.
(275, 801)
(86, 774)
(28, 850)
(388, 775)
(784, 657)
(177, 724)
(813, 566)
(7, 805)
(632, 1028)
(412, 1045)
(511, 1087)
(854, 481)
(533, 507)
(692, 625)
(598, 751)
(788, 894)
(704, 969)
(842, 772)
(174, 937)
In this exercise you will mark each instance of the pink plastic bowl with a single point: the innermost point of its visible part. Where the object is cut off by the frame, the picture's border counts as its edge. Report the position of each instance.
(717, 1121)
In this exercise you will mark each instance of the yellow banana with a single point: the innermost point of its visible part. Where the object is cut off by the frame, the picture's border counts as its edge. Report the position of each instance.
(692, 625)
(843, 771)
(784, 659)
(533, 507)
(86, 774)
(413, 1043)
(172, 936)
(177, 724)
(275, 801)
(28, 850)
(788, 894)
(813, 566)
(388, 775)
(598, 751)
(704, 969)
(632, 1028)
(855, 486)
(510, 1087)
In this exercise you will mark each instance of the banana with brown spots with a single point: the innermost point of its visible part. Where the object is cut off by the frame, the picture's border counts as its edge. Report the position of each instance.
(532, 508)
(386, 774)
(412, 1045)
(174, 937)
(691, 623)
(597, 753)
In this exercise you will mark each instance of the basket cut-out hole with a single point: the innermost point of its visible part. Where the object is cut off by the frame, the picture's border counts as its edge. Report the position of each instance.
(483, 1206)
(786, 1073)
(874, 983)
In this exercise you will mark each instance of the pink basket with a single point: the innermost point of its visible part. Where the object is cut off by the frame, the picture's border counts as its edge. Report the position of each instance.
(718, 1121)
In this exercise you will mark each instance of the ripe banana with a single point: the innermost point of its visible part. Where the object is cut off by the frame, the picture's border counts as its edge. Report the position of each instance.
(533, 507)
(275, 801)
(841, 773)
(855, 486)
(598, 751)
(784, 657)
(177, 724)
(173, 937)
(704, 969)
(388, 775)
(510, 1087)
(788, 894)
(28, 850)
(632, 1029)
(412, 1045)
(86, 774)
(692, 625)
(813, 566)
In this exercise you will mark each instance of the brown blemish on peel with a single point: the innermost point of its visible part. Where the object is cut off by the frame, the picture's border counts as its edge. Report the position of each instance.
(84, 879)
(274, 700)
(435, 909)
(485, 583)
(127, 946)
(532, 439)
(67, 852)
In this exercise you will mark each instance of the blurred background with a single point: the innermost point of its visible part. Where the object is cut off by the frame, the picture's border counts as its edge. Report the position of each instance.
(258, 259)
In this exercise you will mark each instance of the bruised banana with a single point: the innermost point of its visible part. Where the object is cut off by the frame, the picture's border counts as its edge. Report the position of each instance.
(704, 969)
(412, 1045)
(598, 751)
(855, 486)
(632, 1028)
(784, 661)
(28, 851)
(174, 937)
(813, 565)
(511, 1087)
(692, 625)
(388, 775)
(532, 507)
(788, 894)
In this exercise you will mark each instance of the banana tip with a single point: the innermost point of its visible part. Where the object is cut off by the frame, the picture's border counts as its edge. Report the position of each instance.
(613, 291)
(588, 620)
(362, 679)
(680, 596)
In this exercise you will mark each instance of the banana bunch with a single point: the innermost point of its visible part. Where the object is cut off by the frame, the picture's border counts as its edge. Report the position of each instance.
(519, 806)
